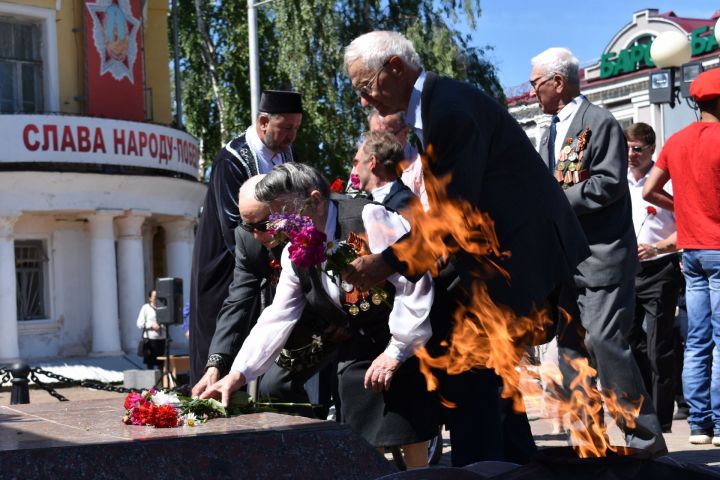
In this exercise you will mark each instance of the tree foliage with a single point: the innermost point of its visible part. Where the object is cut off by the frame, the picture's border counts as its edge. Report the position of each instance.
(301, 46)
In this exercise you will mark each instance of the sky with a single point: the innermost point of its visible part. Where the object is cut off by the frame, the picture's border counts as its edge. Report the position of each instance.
(520, 29)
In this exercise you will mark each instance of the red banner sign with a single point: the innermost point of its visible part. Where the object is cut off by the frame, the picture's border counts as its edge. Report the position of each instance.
(115, 84)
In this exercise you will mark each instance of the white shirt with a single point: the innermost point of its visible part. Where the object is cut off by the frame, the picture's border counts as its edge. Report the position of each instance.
(146, 318)
(266, 158)
(566, 116)
(412, 175)
(655, 227)
(409, 322)
(379, 194)
(413, 115)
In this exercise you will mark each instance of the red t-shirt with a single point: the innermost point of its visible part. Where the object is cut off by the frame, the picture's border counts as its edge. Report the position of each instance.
(692, 158)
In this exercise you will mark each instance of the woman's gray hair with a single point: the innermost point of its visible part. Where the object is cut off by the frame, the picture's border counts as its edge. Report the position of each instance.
(296, 179)
(561, 61)
(375, 48)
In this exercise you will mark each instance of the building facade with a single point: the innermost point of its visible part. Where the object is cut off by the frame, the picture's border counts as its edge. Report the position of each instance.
(99, 193)
(620, 80)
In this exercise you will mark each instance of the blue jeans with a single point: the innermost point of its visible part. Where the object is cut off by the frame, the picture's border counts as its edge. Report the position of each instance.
(701, 373)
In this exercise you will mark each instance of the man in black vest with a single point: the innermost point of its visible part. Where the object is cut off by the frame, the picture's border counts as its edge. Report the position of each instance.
(376, 164)
(382, 392)
(264, 144)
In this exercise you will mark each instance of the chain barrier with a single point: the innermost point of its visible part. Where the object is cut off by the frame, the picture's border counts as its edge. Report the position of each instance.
(6, 376)
(94, 384)
(46, 387)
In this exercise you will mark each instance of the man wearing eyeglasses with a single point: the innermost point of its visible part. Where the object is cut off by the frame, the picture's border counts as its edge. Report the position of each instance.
(585, 151)
(495, 169)
(657, 282)
(263, 145)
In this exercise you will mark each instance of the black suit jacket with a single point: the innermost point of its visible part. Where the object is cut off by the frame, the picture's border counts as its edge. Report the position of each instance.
(495, 167)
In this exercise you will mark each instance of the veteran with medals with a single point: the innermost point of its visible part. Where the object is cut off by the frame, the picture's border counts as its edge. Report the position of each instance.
(589, 147)
(382, 391)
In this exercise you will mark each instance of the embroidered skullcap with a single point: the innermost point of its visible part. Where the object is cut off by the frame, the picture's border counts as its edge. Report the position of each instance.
(280, 101)
(706, 86)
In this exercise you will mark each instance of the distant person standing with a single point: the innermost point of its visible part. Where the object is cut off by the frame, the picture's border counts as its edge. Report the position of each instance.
(153, 331)
(263, 145)
(691, 158)
(657, 282)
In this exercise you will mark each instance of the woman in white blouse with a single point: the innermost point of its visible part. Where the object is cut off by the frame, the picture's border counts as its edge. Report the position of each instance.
(152, 331)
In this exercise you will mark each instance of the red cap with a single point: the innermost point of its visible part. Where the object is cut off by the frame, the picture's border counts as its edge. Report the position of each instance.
(706, 86)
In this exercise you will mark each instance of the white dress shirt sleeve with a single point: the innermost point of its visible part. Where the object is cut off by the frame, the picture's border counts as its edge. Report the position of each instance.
(268, 336)
(409, 319)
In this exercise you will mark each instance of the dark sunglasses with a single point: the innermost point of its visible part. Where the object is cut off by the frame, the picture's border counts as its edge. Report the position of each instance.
(637, 149)
(255, 227)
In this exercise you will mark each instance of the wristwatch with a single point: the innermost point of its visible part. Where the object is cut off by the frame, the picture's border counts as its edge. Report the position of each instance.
(219, 361)
(655, 249)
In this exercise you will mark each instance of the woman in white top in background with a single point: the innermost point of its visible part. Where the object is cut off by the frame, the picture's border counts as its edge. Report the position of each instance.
(153, 331)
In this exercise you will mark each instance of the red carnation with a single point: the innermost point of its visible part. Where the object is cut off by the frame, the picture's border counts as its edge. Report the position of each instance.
(651, 210)
(147, 411)
(166, 416)
(337, 186)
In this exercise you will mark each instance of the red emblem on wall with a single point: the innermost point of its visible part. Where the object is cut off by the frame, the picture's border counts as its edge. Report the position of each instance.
(114, 59)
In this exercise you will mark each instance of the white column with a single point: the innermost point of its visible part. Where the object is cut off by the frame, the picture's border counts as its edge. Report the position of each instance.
(103, 273)
(131, 275)
(9, 349)
(179, 237)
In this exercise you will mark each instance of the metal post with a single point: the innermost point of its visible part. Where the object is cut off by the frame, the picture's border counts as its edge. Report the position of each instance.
(20, 386)
(254, 60)
(176, 65)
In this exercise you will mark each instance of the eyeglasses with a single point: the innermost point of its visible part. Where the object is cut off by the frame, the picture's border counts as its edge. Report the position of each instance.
(536, 86)
(255, 227)
(368, 87)
(638, 149)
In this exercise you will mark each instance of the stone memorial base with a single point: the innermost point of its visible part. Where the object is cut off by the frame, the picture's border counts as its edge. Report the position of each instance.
(87, 440)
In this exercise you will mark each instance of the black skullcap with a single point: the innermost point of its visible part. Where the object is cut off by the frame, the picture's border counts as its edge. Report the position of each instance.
(280, 101)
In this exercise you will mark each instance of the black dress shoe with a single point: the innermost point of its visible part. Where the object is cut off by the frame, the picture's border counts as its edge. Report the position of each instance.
(682, 413)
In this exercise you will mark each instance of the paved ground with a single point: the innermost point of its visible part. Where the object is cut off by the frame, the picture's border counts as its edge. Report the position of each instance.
(680, 449)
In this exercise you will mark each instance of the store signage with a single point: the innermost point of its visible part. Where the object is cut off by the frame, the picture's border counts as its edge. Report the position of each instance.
(67, 139)
(637, 57)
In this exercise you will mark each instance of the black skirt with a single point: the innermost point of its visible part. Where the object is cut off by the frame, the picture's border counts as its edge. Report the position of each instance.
(404, 414)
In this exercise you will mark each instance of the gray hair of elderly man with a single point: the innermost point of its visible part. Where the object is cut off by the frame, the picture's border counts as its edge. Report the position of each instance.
(561, 61)
(374, 48)
(291, 179)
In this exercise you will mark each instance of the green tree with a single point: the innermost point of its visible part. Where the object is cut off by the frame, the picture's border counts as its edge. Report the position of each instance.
(301, 46)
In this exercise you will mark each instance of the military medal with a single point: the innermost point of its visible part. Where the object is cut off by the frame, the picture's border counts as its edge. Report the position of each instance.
(561, 165)
(568, 176)
(572, 167)
(352, 297)
(376, 299)
(567, 149)
(572, 156)
(347, 287)
(364, 305)
(353, 310)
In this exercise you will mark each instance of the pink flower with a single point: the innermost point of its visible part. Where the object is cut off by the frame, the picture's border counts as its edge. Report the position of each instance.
(355, 181)
(307, 247)
(132, 400)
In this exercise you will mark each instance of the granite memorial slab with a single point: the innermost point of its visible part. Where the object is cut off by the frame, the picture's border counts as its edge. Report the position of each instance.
(86, 439)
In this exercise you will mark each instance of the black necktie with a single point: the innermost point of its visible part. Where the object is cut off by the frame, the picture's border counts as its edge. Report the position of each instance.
(551, 142)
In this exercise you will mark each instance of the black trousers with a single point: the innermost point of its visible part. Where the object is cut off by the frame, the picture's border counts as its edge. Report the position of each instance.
(656, 291)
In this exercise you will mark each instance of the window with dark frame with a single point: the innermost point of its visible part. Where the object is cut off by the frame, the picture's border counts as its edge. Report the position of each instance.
(30, 264)
(20, 66)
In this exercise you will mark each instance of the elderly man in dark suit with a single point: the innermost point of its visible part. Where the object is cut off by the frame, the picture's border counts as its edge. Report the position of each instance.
(494, 168)
(376, 164)
(586, 151)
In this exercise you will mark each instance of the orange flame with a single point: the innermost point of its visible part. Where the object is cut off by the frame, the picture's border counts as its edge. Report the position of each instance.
(487, 335)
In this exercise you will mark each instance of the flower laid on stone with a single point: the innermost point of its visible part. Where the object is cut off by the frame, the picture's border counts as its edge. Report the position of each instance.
(160, 409)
